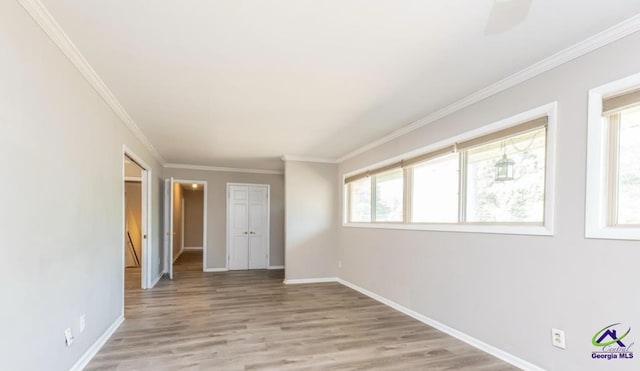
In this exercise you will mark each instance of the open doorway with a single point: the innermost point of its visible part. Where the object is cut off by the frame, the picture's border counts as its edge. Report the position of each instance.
(135, 228)
(186, 221)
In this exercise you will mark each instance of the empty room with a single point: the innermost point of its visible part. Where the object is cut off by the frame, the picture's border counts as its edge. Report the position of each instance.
(320, 185)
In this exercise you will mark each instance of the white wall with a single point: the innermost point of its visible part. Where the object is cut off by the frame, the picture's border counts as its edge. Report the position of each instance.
(217, 210)
(62, 212)
(311, 220)
(510, 290)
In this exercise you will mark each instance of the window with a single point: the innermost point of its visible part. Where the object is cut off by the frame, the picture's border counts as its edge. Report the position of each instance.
(389, 189)
(494, 179)
(519, 197)
(387, 205)
(626, 167)
(435, 201)
(360, 200)
(613, 161)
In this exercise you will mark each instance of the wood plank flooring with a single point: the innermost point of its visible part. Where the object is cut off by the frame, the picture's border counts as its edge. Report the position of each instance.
(249, 320)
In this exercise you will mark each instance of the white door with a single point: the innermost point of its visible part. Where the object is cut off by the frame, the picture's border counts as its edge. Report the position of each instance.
(248, 227)
(238, 227)
(258, 232)
(168, 225)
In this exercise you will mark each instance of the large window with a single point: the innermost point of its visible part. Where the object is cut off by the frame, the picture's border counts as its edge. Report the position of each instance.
(387, 203)
(519, 197)
(493, 177)
(360, 200)
(625, 167)
(613, 161)
(435, 201)
(389, 189)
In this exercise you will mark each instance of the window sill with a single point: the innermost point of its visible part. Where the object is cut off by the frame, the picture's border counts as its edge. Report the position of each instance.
(519, 229)
(614, 233)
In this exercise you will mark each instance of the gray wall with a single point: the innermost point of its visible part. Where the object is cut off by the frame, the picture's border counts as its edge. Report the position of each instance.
(510, 290)
(312, 218)
(193, 214)
(62, 222)
(217, 210)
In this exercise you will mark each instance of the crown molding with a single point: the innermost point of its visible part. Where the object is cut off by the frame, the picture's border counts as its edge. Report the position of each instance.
(608, 36)
(46, 21)
(309, 159)
(223, 169)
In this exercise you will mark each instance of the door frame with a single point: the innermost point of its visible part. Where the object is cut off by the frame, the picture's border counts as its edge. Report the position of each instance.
(228, 240)
(146, 225)
(205, 189)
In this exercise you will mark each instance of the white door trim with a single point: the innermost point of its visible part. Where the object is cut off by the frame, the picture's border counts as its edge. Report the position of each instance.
(146, 191)
(205, 189)
(228, 240)
(168, 226)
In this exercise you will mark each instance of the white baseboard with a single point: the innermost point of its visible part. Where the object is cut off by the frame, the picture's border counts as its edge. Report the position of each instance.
(276, 267)
(310, 280)
(498, 353)
(95, 348)
(157, 279)
(215, 269)
(193, 248)
(178, 255)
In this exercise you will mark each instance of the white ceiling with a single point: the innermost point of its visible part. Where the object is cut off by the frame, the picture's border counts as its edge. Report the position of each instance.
(238, 83)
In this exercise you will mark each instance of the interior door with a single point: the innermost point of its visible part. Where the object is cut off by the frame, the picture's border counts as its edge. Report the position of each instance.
(238, 227)
(168, 225)
(258, 227)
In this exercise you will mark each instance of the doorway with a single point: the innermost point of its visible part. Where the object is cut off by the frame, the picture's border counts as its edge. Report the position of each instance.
(248, 226)
(136, 191)
(185, 226)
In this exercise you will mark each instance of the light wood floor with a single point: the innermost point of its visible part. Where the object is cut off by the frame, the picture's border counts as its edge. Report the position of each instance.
(247, 320)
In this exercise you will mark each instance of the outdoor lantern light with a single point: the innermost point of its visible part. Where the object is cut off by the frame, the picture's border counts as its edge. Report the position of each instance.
(504, 169)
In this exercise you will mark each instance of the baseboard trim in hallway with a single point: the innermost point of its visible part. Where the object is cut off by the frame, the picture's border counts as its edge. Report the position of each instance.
(209, 270)
(156, 280)
(310, 280)
(95, 348)
(498, 353)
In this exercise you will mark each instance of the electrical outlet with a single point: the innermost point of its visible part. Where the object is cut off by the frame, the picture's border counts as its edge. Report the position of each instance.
(557, 338)
(83, 322)
(68, 337)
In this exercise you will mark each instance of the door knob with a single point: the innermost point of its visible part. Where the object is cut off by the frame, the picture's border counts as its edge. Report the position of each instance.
(252, 232)
(245, 232)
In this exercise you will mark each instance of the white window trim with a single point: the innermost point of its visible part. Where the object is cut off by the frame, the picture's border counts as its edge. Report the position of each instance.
(597, 199)
(545, 229)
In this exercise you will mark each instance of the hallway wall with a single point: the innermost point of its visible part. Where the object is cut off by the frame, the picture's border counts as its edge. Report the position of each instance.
(193, 217)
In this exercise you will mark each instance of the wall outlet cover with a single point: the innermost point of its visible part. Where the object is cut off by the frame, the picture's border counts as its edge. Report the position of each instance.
(557, 338)
(68, 337)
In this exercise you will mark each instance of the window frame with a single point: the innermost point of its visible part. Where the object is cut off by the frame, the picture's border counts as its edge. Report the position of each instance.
(602, 147)
(546, 228)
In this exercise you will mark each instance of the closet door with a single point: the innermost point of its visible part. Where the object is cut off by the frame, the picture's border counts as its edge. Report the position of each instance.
(238, 227)
(258, 227)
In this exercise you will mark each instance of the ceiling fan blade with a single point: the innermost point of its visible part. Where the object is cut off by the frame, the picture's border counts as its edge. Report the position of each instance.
(506, 14)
